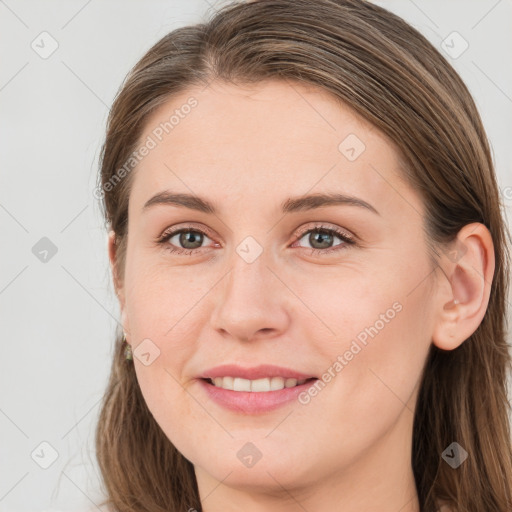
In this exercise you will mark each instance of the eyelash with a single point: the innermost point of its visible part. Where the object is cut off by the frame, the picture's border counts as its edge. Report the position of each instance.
(347, 240)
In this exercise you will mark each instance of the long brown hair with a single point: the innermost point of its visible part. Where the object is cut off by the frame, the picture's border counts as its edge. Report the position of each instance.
(391, 75)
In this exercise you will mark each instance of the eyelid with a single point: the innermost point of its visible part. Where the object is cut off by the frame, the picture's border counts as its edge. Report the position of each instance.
(326, 226)
(187, 226)
(299, 233)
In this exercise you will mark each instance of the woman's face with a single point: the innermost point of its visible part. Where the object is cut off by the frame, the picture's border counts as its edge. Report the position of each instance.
(256, 285)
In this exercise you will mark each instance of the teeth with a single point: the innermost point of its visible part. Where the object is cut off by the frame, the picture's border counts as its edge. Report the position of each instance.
(258, 385)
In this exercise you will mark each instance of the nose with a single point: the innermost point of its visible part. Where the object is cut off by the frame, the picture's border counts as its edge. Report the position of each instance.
(250, 302)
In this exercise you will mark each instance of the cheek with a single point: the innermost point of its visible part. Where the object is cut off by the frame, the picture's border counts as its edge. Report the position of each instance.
(383, 334)
(382, 359)
(373, 386)
(163, 306)
(172, 408)
(161, 298)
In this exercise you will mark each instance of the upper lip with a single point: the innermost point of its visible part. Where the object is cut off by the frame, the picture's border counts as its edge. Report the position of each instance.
(253, 373)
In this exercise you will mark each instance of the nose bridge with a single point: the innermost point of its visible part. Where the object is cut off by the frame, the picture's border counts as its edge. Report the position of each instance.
(247, 280)
(248, 260)
(248, 301)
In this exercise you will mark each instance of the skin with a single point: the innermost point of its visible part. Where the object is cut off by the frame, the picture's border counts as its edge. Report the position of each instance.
(247, 149)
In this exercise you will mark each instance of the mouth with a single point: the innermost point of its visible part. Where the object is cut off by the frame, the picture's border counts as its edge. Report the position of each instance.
(259, 396)
(262, 385)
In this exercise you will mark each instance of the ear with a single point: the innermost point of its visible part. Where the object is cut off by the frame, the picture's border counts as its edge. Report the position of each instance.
(468, 265)
(119, 289)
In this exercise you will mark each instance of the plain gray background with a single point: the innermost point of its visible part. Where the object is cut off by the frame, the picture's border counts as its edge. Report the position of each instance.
(58, 317)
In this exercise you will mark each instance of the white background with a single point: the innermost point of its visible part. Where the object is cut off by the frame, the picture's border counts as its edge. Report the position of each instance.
(58, 318)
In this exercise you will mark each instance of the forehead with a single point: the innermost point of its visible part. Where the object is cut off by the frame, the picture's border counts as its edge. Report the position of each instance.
(264, 142)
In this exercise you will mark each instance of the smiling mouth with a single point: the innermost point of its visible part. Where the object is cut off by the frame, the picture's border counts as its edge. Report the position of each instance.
(258, 385)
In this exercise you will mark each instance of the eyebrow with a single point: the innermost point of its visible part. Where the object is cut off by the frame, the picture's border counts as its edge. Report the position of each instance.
(291, 205)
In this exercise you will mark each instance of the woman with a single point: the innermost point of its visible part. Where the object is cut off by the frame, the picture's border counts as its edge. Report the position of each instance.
(311, 264)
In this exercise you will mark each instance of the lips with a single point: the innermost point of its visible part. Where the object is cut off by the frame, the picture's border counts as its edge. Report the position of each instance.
(256, 372)
(250, 402)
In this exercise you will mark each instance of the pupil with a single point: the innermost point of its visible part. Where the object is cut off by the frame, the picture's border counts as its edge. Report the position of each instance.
(323, 236)
(190, 237)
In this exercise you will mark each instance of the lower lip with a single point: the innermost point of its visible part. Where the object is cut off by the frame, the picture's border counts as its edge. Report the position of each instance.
(253, 402)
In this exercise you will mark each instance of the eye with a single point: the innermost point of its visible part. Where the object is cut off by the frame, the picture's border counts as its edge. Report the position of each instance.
(321, 237)
(186, 240)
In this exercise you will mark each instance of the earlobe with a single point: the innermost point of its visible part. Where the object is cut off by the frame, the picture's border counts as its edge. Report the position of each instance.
(463, 300)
